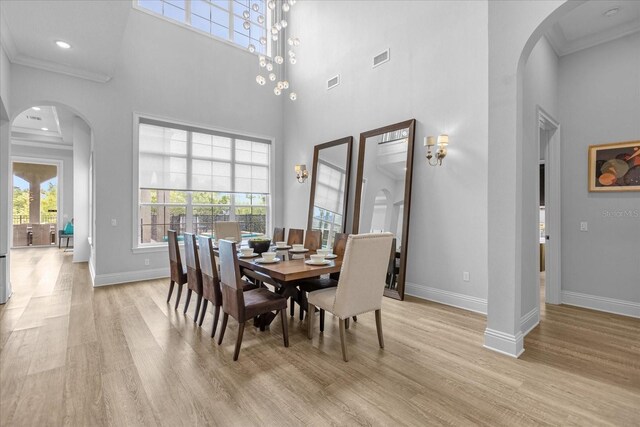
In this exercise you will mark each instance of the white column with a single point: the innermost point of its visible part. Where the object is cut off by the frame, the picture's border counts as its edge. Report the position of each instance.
(81, 220)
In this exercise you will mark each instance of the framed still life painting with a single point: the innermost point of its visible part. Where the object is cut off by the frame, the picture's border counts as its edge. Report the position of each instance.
(614, 167)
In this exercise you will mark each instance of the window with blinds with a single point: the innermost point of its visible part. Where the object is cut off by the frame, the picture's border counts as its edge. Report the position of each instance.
(190, 177)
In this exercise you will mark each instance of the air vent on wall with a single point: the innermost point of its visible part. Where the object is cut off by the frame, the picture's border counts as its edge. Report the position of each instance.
(381, 58)
(333, 82)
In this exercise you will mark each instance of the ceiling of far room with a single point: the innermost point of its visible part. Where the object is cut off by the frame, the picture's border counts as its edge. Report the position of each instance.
(94, 29)
(44, 126)
(593, 23)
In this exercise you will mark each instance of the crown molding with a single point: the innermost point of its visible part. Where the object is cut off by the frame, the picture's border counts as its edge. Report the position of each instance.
(6, 39)
(61, 69)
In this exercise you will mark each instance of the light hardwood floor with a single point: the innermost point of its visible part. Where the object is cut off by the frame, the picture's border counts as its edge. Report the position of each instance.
(119, 355)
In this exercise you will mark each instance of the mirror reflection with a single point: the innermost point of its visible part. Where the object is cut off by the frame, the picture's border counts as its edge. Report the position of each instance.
(384, 170)
(330, 183)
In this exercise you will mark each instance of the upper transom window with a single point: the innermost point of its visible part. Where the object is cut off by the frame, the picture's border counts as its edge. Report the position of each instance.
(242, 22)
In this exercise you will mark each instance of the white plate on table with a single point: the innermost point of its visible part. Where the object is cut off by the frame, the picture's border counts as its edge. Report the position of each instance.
(264, 261)
(253, 255)
(283, 248)
(310, 262)
(332, 256)
(299, 251)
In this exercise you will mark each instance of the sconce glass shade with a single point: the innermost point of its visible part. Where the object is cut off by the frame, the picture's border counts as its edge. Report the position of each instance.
(443, 139)
(300, 168)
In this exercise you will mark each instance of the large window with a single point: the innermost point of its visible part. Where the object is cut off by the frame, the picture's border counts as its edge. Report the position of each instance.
(224, 19)
(189, 178)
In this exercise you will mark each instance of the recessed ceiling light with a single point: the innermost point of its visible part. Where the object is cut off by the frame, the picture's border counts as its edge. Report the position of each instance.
(44, 129)
(36, 108)
(63, 44)
(609, 13)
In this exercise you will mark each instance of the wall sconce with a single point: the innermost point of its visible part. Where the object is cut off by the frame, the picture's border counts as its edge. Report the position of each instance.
(430, 143)
(301, 173)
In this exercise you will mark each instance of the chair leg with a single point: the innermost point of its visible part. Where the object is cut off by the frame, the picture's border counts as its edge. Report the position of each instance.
(302, 302)
(310, 318)
(204, 310)
(186, 303)
(343, 340)
(379, 328)
(285, 327)
(355, 318)
(346, 323)
(178, 297)
(170, 290)
(225, 318)
(321, 320)
(236, 353)
(198, 304)
(216, 315)
(291, 307)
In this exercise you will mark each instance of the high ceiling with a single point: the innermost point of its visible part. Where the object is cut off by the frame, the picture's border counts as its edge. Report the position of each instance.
(93, 28)
(588, 26)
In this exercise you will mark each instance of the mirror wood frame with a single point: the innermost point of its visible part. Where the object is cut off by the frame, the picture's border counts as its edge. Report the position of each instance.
(397, 293)
(316, 155)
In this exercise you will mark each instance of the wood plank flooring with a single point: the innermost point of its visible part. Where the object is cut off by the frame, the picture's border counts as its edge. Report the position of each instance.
(119, 355)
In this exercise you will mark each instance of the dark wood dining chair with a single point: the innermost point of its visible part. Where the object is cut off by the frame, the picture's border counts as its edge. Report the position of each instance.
(242, 305)
(296, 236)
(178, 270)
(211, 281)
(313, 240)
(194, 274)
(278, 235)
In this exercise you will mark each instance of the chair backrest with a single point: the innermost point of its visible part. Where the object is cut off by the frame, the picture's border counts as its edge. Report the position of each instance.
(190, 251)
(296, 236)
(230, 280)
(340, 243)
(210, 279)
(278, 235)
(175, 263)
(313, 240)
(224, 229)
(363, 273)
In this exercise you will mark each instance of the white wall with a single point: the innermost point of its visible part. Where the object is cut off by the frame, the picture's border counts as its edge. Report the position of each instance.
(599, 103)
(5, 153)
(540, 81)
(166, 71)
(437, 75)
(65, 181)
(81, 152)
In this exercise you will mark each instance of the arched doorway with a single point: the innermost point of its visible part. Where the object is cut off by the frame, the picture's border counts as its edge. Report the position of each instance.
(54, 138)
(514, 30)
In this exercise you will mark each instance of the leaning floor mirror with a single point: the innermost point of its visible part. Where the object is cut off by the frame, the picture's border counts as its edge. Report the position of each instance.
(329, 188)
(383, 193)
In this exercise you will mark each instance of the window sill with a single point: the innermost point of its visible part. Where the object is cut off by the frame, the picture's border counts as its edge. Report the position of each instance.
(152, 249)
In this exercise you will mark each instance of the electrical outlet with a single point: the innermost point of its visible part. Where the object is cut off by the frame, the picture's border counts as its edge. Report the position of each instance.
(584, 226)
(114, 222)
(146, 261)
(465, 276)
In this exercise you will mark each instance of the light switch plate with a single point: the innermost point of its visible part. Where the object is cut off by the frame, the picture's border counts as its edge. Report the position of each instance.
(465, 276)
(584, 226)
(114, 222)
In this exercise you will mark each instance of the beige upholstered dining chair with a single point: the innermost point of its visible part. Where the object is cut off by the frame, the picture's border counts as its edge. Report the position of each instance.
(361, 284)
(226, 229)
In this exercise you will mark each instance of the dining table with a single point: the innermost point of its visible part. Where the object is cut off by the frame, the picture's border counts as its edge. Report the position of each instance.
(286, 272)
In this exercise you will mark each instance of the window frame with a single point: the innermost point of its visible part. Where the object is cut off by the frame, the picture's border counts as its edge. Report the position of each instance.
(137, 247)
(268, 15)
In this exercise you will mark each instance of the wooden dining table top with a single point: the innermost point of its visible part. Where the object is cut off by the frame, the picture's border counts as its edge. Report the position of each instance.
(291, 270)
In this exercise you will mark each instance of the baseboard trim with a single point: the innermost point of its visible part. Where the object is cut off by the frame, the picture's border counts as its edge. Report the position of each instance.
(529, 321)
(594, 302)
(507, 344)
(129, 276)
(454, 299)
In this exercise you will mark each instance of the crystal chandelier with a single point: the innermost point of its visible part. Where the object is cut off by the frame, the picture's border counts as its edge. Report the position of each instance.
(274, 67)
